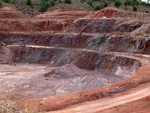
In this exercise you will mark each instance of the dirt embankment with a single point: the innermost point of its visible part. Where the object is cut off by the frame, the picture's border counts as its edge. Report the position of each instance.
(112, 12)
(69, 20)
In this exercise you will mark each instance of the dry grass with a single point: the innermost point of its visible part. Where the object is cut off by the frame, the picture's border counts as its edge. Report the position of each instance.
(139, 34)
(118, 33)
(7, 108)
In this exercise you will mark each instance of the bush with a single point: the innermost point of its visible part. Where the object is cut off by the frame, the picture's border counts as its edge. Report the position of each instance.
(146, 11)
(134, 8)
(68, 1)
(118, 3)
(133, 3)
(102, 6)
(59, 0)
(90, 3)
(97, 8)
(44, 6)
(137, 2)
(29, 2)
(105, 4)
(0, 3)
(8, 1)
(80, 33)
(52, 2)
(126, 8)
(143, 3)
(126, 3)
(14, 1)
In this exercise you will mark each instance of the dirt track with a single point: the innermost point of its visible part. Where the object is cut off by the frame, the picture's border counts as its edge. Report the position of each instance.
(102, 104)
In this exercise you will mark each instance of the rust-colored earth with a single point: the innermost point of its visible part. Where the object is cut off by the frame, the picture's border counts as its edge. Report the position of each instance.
(71, 60)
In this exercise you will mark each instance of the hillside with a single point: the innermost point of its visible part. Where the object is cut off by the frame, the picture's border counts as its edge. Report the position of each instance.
(35, 7)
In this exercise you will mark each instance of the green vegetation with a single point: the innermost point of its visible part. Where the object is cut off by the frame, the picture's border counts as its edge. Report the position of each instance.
(44, 6)
(105, 4)
(134, 8)
(97, 7)
(52, 2)
(0, 4)
(118, 3)
(80, 33)
(7, 1)
(29, 2)
(68, 1)
(90, 3)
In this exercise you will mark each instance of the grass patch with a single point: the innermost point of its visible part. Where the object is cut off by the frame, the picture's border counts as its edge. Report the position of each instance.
(7, 108)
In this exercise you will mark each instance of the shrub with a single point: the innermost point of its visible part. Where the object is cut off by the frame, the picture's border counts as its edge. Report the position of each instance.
(59, 0)
(80, 33)
(68, 1)
(134, 8)
(146, 11)
(97, 7)
(137, 2)
(14, 1)
(29, 2)
(44, 6)
(126, 8)
(90, 3)
(102, 6)
(126, 3)
(133, 3)
(0, 3)
(105, 4)
(52, 2)
(8, 1)
(117, 3)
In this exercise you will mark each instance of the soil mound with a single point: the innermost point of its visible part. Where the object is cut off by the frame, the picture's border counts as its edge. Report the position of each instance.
(112, 12)
(8, 12)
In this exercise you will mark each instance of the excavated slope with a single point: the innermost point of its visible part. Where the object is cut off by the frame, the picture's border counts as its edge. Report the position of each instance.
(58, 59)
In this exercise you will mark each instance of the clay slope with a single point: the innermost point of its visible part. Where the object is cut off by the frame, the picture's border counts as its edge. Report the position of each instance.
(10, 13)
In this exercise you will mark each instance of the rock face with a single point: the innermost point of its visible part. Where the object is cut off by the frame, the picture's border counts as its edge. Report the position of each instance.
(60, 57)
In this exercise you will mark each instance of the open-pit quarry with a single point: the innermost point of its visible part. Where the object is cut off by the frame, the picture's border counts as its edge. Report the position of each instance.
(74, 61)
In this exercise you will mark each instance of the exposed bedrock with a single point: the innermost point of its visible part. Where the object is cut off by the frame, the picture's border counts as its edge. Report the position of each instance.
(83, 59)
(128, 44)
(74, 70)
(77, 25)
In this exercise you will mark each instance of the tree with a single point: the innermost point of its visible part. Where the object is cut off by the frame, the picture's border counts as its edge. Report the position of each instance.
(134, 8)
(126, 3)
(68, 1)
(137, 2)
(102, 6)
(52, 2)
(97, 7)
(8, 1)
(117, 3)
(90, 3)
(105, 4)
(0, 3)
(29, 2)
(133, 3)
(44, 6)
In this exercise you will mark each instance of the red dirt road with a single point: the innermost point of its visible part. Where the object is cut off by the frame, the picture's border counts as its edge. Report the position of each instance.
(106, 103)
